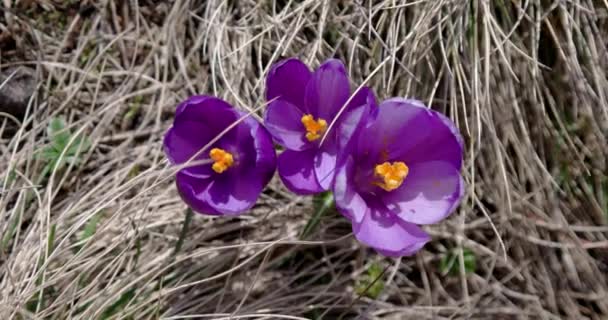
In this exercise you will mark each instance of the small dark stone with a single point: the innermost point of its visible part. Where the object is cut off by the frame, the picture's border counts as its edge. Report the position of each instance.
(15, 93)
(86, 10)
(7, 42)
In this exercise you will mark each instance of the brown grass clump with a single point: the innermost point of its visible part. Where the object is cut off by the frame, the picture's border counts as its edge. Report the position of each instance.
(94, 239)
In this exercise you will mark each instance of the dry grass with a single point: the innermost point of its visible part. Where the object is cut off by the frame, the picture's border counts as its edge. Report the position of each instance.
(524, 80)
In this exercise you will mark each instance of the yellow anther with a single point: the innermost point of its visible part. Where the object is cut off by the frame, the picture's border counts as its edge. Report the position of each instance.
(223, 160)
(392, 174)
(314, 128)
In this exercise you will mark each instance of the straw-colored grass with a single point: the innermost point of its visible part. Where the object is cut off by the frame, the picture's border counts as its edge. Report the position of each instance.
(525, 81)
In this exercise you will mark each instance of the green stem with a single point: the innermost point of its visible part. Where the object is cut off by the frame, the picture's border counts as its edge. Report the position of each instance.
(327, 201)
(182, 234)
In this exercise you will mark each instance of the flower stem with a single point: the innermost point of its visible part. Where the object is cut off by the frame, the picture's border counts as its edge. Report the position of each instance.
(325, 204)
(184, 231)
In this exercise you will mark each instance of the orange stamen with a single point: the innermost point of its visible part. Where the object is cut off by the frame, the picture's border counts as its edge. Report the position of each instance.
(314, 128)
(392, 174)
(223, 160)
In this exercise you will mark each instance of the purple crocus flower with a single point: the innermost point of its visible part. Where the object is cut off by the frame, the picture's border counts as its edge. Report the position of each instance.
(398, 167)
(302, 107)
(234, 169)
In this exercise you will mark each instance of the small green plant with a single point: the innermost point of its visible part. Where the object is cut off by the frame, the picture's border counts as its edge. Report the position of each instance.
(449, 264)
(370, 284)
(134, 108)
(60, 138)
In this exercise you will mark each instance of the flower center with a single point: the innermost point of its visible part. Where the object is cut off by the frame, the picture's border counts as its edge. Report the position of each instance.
(314, 128)
(223, 159)
(392, 175)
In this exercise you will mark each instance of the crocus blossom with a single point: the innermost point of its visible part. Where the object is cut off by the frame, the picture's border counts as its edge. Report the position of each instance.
(302, 106)
(233, 170)
(398, 168)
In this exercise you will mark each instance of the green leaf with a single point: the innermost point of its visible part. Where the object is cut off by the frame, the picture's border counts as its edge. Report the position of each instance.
(117, 306)
(56, 126)
(91, 227)
(449, 264)
(374, 270)
(314, 314)
(73, 160)
(324, 203)
(51, 239)
(60, 137)
(47, 169)
(370, 283)
(133, 172)
(11, 232)
(58, 133)
(48, 153)
(183, 232)
(48, 295)
(134, 107)
(79, 146)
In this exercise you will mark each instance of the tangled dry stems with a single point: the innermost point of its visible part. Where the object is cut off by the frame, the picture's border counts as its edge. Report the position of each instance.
(524, 80)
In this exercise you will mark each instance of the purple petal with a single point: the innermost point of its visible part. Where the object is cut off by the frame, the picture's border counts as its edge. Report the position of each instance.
(389, 235)
(328, 90)
(443, 144)
(189, 189)
(350, 126)
(284, 121)
(257, 156)
(325, 167)
(447, 138)
(413, 101)
(219, 195)
(198, 120)
(287, 80)
(296, 169)
(325, 162)
(234, 196)
(429, 193)
(266, 157)
(236, 190)
(212, 112)
(179, 144)
(348, 201)
(191, 101)
(365, 95)
(396, 128)
(413, 134)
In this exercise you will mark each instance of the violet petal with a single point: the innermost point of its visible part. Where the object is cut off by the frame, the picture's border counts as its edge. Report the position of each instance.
(325, 162)
(328, 90)
(233, 196)
(389, 235)
(199, 121)
(189, 188)
(296, 169)
(284, 121)
(428, 194)
(412, 133)
(286, 80)
(348, 201)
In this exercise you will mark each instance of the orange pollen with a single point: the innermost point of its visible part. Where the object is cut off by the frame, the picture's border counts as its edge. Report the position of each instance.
(223, 160)
(314, 128)
(392, 175)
